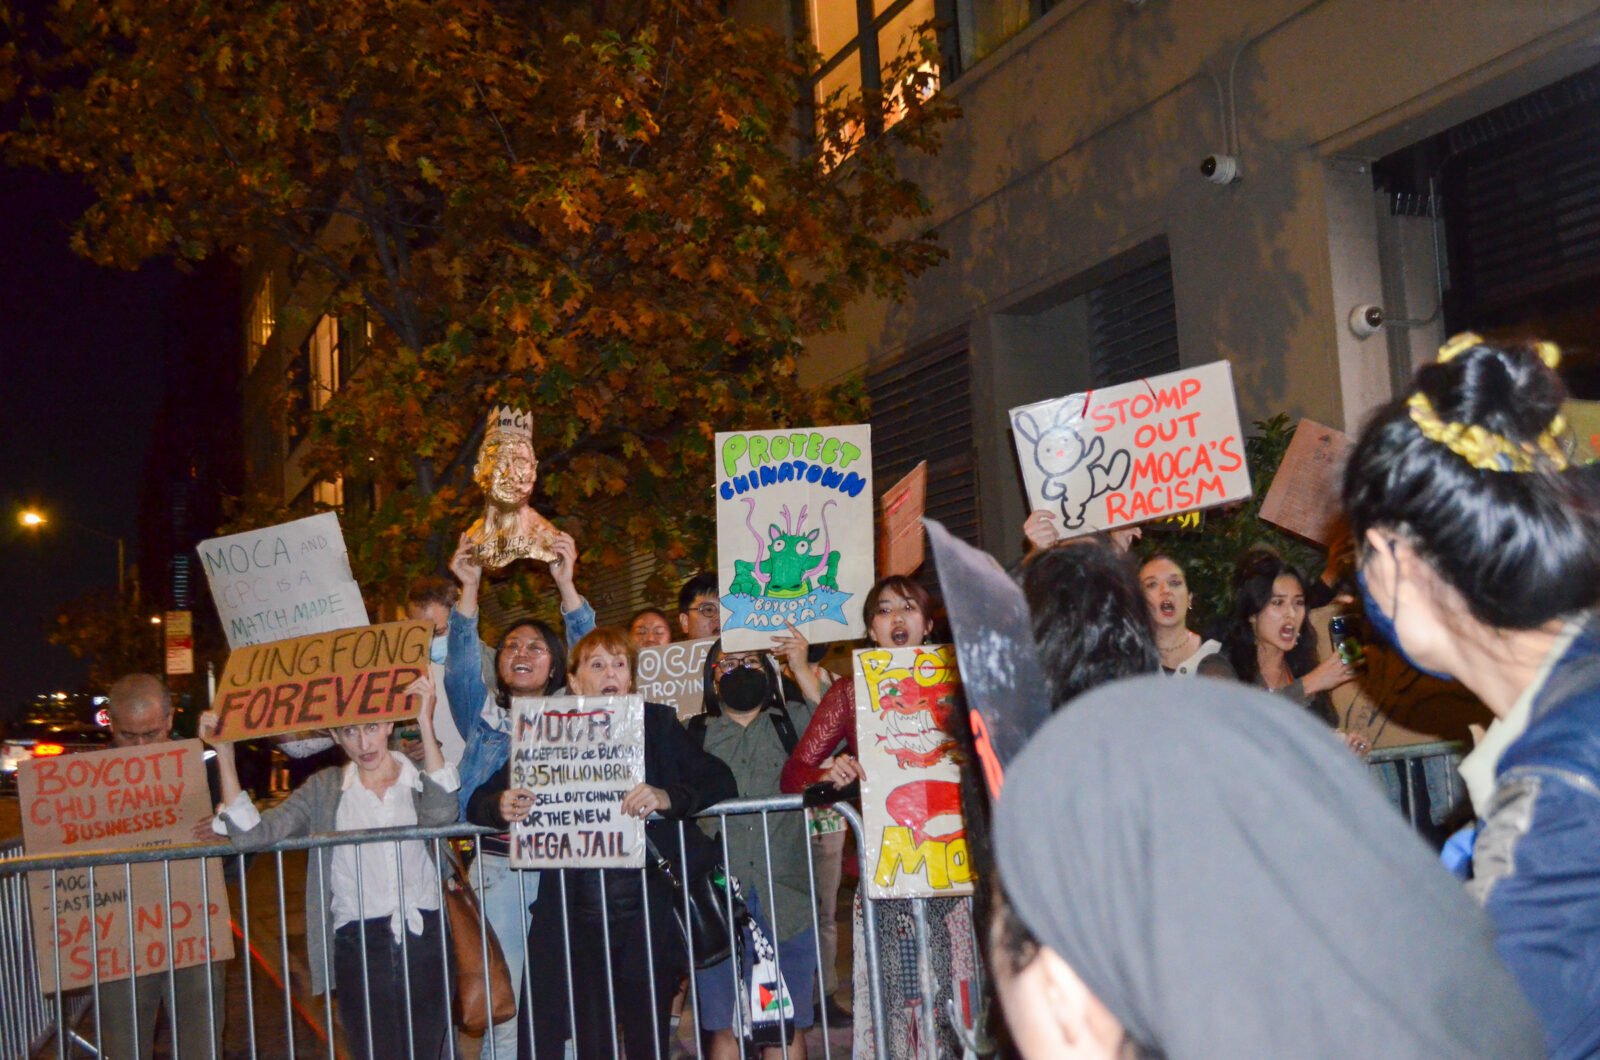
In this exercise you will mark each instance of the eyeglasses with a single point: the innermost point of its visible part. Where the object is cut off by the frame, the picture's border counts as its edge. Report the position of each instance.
(729, 663)
(707, 610)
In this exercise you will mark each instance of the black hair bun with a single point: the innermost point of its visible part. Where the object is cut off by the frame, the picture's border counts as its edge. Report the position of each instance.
(1508, 390)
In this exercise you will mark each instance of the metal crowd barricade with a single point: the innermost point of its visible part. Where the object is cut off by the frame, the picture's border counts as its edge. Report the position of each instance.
(271, 1027)
(1421, 780)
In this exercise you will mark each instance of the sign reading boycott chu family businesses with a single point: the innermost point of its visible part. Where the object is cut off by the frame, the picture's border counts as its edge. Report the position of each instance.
(1134, 452)
(579, 755)
(674, 674)
(282, 581)
(148, 796)
(347, 677)
(794, 533)
(916, 840)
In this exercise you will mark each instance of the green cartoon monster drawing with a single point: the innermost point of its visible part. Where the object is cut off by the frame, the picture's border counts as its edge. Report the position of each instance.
(788, 558)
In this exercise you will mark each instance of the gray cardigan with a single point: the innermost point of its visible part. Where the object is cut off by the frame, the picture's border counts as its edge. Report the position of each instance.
(313, 808)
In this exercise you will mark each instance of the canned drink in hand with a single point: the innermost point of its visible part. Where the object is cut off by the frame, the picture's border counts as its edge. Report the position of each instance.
(1345, 633)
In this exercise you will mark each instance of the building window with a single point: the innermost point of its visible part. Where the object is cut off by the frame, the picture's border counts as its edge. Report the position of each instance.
(324, 361)
(329, 494)
(263, 319)
(855, 54)
(1133, 326)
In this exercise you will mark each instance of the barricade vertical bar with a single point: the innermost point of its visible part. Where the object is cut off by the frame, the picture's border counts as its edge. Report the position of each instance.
(405, 955)
(245, 957)
(925, 983)
(62, 1030)
(172, 958)
(1411, 791)
(611, 988)
(816, 936)
(327, 953)
(361, 940)
(736, 953)
(444, 953)
(283, 947)
(94, 955)
(688, 941)
(650, 961)
(525, 1002)
(566, 942)
(483, 946)
(211, 999)
(133, 962)
(869, 931)
(777, 933)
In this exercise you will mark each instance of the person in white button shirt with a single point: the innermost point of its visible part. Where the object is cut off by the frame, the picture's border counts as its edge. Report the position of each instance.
(380, 901)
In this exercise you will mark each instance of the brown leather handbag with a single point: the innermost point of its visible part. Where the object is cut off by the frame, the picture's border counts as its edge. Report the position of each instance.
(483, 988)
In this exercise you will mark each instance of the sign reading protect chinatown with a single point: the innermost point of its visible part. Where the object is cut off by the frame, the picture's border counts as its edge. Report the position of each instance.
(1134, 452)
(152, 795)
(347, 677)
(916, 838)
(794, 533)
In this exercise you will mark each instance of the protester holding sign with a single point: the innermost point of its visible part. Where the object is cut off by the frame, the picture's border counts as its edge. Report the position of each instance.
(1166, 593)
(898, 613)
(378, 902)
(1480, 559)
(590, 906)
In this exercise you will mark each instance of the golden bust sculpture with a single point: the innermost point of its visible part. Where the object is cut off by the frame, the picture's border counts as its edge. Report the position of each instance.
(506, 470)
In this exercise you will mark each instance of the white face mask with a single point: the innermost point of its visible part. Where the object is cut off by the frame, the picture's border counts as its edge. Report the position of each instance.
(439, 648)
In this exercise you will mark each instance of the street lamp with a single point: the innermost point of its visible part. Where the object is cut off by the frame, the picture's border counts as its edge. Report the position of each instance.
(32, 518)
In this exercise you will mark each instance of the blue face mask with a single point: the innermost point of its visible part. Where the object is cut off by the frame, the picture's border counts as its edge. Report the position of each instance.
(1383, 626)
(439, 649)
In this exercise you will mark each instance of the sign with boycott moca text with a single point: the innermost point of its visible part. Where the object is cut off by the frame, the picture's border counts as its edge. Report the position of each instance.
(916, 838)
(794, 533)
(1134, 452)
(283, 581)
(579, 755)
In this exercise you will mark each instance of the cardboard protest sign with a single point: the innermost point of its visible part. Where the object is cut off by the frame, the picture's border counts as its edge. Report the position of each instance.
(282, 581)
(901, 550)
(1304, 497)
(151, 795)
(1134, 452)
(579, 755)
(674, 674)
(1583, 420)
(179, 631)
(794, 533)
(347, 677)
(916, 839)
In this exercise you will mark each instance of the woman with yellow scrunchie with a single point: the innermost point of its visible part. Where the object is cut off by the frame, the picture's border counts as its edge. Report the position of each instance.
(1480, 560)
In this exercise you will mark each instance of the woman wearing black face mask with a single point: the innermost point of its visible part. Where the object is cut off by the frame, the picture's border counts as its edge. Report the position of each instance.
(748, 725)
(1480, 560)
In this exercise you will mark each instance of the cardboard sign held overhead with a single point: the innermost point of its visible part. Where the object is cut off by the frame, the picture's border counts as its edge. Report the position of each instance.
(579, 755)
(348, 677)
(902, 549)
(674, 674)
(794, 533)
(1134, 452)
(915, 836)
(282, 581)
(151, 795)
(1304, 497)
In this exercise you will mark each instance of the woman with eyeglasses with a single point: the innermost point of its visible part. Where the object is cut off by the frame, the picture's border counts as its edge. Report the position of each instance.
(1479, 539)
(379, 926)
(899, 613)
(633, 911)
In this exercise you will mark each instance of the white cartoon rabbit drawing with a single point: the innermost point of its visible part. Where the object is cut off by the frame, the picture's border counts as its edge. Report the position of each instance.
(1059, 451)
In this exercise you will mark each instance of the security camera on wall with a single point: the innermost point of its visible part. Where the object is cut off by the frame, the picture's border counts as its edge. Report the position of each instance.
(1366, 321)
(1220, 169)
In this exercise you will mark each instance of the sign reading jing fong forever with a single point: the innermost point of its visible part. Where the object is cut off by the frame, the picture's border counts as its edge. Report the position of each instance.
(579, 755)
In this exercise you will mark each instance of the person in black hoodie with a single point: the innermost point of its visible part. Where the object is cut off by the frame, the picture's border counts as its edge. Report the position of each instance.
(584, 908)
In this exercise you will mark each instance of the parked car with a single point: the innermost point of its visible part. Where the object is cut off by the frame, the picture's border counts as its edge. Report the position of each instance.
(40, 737)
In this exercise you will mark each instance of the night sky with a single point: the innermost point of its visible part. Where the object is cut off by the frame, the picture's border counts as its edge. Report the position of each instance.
(81, 352)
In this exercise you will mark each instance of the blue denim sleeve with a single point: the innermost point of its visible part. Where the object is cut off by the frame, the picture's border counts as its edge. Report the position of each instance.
(463, 672)
(579, 622)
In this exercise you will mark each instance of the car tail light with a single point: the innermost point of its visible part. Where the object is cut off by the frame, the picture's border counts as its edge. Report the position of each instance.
(47, 750)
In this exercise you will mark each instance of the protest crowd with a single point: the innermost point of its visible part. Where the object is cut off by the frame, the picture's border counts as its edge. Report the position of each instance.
(1167, 846)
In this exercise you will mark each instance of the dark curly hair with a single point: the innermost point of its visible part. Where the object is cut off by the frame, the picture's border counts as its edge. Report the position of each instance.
(1090, 620)
(1253, 578)
(1521, 548)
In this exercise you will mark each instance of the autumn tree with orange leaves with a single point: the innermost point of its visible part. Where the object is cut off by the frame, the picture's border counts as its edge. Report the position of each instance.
(603, 212)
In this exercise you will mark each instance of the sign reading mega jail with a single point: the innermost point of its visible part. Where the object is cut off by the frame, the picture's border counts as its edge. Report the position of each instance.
(282, 581)
(120, 798)
(347, 677)
(1134, 452)
(579, 755)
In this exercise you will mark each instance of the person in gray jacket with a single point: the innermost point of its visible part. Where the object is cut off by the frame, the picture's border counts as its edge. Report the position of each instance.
(379, 901)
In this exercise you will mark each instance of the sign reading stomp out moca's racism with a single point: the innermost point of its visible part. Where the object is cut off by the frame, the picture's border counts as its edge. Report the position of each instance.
(580, 756)
(794, 533)
(1134, 452)
(282, 581)
(916, 839)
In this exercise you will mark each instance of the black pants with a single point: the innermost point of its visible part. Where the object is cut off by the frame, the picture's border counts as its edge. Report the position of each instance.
(634, 981)
(387, 973)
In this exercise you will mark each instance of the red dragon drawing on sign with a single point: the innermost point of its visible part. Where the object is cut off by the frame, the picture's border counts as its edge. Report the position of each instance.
(916, 720)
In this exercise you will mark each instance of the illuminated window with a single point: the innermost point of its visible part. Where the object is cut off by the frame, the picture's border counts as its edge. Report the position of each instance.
(854, 56)
(263, 318)
(330, 494)
(324, 365)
